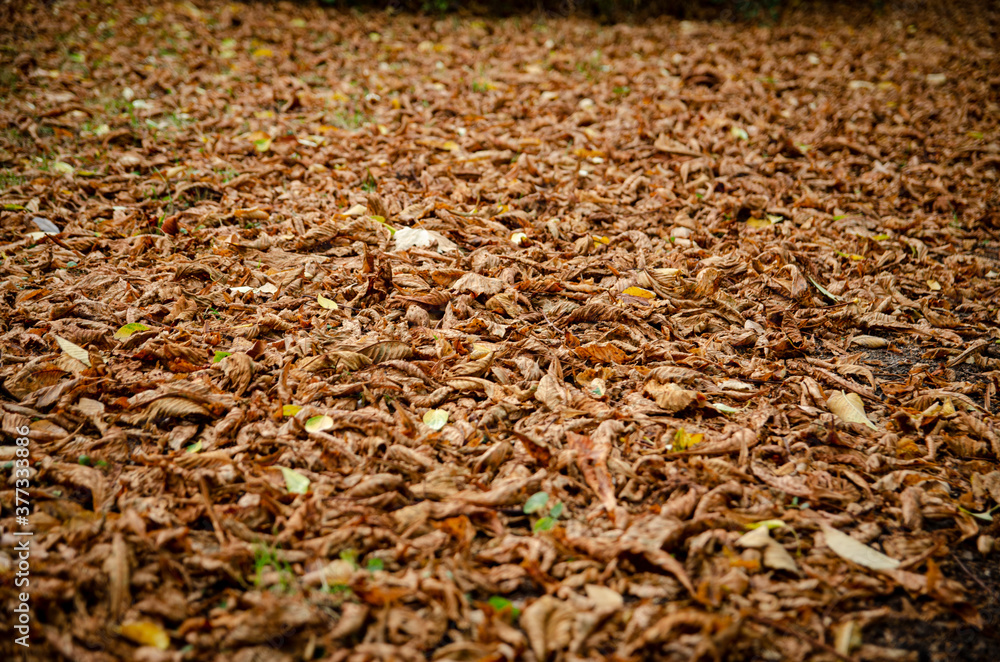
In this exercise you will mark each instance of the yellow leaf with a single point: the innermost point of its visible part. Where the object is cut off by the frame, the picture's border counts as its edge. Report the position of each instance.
(62, 168)
(262, 145)
(328, 304)
(684, 440)
(601, 240)
(146, 633)
(639, 292)
(760, 222)
(290, 410)
(263, 52)
(768, 524)
(128, 329)
(450, 145)
(934, 285)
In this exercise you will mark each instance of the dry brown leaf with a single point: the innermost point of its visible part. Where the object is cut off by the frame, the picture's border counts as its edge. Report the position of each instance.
(548, 622)
(390, 350)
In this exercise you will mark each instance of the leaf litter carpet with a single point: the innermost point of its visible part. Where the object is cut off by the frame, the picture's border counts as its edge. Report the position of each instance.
(348, 336)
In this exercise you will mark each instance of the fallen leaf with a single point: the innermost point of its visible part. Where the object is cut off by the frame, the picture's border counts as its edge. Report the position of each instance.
(407, 238)
(849, 408)
(871, 342)
(851, 550)
(74, 350)
(639, 292)
(295, 482)
(548, 622)
(435, 419)
(146, 633)
(128, 329)
(318, 423)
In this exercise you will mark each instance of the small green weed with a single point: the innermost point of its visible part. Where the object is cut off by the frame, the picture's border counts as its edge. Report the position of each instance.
(266, 558)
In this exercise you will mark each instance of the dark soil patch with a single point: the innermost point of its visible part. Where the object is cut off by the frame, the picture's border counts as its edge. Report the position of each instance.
(896, 362)
(947, 639)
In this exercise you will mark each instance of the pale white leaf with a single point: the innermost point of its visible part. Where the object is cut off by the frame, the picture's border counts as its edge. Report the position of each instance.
(436, 419)
(74, 350)
(849, 408)
(407, 238)
(45, 225)
(856, 551)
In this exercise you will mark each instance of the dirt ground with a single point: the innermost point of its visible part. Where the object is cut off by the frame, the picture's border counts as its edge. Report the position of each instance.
(332, 335)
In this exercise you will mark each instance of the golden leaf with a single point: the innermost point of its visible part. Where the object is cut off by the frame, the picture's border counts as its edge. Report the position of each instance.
(639, 292)
(146, 633)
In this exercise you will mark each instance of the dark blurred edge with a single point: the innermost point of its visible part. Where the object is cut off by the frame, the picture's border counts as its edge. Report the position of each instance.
(754, 11)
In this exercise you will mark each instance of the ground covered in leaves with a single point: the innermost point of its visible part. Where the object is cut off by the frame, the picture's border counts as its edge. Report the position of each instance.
(391, 337)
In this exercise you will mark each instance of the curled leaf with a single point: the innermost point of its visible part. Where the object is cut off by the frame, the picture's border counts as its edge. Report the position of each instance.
(146, 633)
(548, 622)
(319, 423)
(871, 342)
